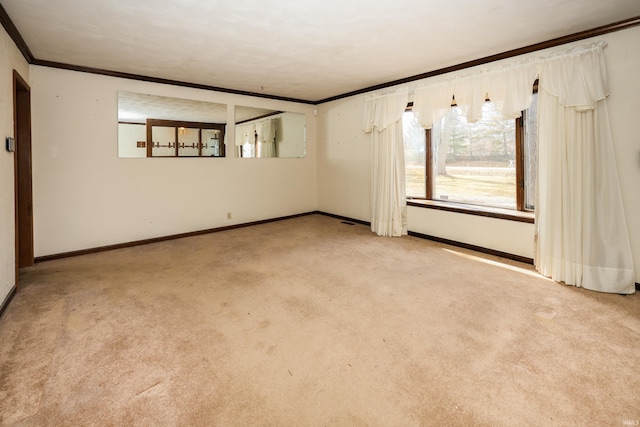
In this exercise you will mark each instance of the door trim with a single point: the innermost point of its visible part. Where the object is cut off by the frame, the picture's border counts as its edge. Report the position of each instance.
(23, 195)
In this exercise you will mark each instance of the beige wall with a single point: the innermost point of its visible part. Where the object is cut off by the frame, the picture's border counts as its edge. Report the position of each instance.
(85, 196)
(10, 59)
(344, 156)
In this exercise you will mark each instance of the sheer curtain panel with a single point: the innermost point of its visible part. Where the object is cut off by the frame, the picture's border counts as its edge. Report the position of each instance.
(581, 231)
(382, 118)
(580, 222)
(266, 138)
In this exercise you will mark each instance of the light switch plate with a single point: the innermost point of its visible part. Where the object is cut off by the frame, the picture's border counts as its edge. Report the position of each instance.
(11, 144)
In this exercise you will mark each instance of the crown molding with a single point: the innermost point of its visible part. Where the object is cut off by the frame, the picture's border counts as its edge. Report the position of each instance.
(160, 80)
(15, 35)
(594, 32)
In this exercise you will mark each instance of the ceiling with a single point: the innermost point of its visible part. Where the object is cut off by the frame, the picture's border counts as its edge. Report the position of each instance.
(137, 107)
(302, 49)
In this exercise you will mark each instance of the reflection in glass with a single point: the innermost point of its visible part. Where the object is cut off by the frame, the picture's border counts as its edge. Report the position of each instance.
(160, 126)
(164, 141)
(199, 129)
(211, 143)
(132, 139)
(188, 142)
(263, 133)
(168, 138)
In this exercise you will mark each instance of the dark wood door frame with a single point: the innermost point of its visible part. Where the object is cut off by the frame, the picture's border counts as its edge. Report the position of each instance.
(22, 172)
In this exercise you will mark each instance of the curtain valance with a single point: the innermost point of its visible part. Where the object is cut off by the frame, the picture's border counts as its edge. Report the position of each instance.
(577, 77)
(245, 133)
(384, 110)
(265, 130)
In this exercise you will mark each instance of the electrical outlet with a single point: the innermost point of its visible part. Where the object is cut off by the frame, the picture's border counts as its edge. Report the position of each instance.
(228, 215)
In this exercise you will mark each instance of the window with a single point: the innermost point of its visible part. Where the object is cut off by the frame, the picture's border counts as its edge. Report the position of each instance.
(170, 138)
(490, 163)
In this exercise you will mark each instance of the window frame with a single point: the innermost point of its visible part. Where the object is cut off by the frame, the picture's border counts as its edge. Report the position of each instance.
(520, 213)
(177, 124)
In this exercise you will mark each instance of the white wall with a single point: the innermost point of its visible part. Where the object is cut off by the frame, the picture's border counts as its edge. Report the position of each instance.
(10, 59)
(86, 197)
(623, 66)
(344, 171)
(128, 137)
(344, 156)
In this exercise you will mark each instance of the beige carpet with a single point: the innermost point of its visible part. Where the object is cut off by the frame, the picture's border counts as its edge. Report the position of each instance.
(310, 321)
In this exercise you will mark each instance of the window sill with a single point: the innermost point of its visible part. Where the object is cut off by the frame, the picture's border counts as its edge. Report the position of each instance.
(491, 212)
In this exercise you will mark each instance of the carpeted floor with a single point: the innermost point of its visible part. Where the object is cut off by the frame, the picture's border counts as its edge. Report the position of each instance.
(310, 321)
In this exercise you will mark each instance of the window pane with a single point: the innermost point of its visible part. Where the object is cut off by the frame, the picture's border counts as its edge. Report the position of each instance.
(414, 156)
(475, 162)
(164, 141)
(211, 146)
(188, 142)
(530, 153)
(248, 150)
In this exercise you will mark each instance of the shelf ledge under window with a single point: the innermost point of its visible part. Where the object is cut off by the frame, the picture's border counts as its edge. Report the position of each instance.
(508, 214)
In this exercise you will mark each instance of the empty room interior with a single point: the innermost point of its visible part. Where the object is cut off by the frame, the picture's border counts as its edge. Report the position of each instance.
(319, 213)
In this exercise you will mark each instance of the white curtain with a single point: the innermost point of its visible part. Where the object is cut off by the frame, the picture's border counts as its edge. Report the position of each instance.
(383, 119)
(245, 134)
(582, 237)
(432, 102)
(266, 142)
(580, 223)
(509, 88)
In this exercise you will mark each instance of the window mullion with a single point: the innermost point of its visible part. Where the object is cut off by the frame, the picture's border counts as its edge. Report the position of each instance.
(520, 163)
